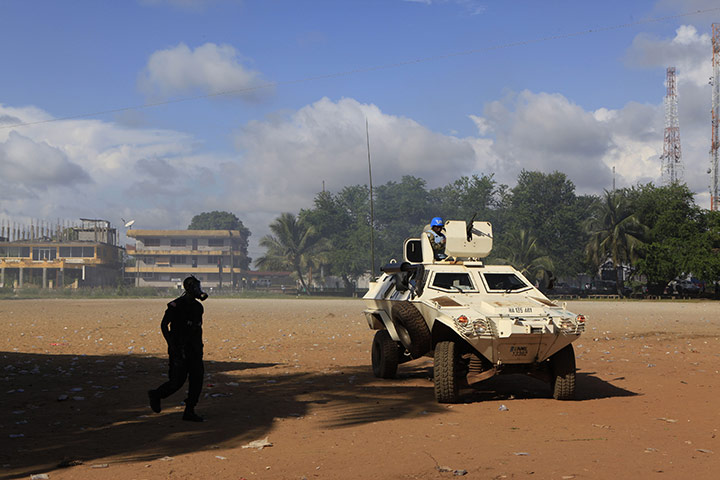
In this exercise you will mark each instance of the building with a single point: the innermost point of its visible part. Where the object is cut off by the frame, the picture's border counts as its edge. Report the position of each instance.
(163, 258)
(59, 256)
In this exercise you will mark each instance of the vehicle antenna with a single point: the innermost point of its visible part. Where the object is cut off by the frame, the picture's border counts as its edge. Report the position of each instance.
(372, 213)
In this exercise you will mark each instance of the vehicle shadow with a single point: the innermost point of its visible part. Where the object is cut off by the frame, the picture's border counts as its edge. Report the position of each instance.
(518, 386)
(62, 409)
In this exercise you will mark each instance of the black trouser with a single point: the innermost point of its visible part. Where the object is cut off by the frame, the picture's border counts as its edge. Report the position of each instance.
(184, 362)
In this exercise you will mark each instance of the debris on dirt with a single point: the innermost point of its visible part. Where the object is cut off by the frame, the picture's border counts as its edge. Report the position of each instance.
(521, 454)
(704, 450)
(669, 420)
(166, 458)
(503, 408)
(259, 444)
(99, 465)
(220, 457)
(69, 462)
(40, 476)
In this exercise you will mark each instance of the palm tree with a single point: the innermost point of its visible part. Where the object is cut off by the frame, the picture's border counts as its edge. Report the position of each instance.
(293, 245)
(615, 233)
(521, 250)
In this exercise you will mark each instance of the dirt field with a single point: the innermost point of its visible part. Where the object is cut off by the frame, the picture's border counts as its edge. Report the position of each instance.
(75, 374)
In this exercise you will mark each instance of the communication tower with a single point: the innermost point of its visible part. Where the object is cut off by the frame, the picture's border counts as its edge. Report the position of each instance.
(672, 157)
(715, 139)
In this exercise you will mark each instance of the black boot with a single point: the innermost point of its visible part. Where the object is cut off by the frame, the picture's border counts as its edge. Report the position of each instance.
(154, 397)
(190, 415)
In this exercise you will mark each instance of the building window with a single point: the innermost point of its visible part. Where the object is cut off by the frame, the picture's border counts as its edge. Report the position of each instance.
(151, 242)
(213, 259)
(178, 242)
(14, 252)
(149, 260)
(77, 252)
(44, 253)
(216, 242)
(177, 260)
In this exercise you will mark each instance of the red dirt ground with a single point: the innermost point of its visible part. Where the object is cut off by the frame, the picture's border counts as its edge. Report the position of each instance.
(297, 371)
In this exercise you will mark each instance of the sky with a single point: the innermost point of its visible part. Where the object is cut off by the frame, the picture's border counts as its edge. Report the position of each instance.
(157, 110)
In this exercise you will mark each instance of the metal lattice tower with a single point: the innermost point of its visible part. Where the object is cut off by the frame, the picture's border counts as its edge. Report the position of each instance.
(715, 140)
(672, 156)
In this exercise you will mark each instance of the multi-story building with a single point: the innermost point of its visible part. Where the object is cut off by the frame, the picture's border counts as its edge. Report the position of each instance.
(163, 258)
(49, 257)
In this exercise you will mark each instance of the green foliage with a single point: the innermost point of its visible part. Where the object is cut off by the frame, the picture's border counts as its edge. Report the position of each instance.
(615, 233)
(216, 220)
(546, 206)
(682, 238)
(294, 245)
(521, 250)
(343, 222)
(539, 225)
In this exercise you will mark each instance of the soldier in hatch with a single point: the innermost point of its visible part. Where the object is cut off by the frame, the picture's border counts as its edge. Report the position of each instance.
(437, 238)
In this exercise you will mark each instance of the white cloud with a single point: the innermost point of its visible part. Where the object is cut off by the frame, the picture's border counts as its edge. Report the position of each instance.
(85, 168)
(546, 132)
(28, 167)
(209, 69)
(286, 160)
(688, 51)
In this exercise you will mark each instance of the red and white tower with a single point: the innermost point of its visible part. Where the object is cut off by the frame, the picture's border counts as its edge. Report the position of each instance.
(672, 157)
(715, 139)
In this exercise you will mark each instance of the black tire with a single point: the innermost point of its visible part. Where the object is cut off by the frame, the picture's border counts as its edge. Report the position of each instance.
(562, 370)
(447, 372)
(412, 329)
(385, 355)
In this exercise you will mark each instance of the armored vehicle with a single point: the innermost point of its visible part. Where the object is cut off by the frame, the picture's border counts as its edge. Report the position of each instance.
(474, 320)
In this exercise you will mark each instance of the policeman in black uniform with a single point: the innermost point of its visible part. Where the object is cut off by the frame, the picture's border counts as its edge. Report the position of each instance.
(182, 328)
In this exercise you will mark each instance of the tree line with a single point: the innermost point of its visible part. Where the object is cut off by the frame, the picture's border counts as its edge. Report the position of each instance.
(541, 226)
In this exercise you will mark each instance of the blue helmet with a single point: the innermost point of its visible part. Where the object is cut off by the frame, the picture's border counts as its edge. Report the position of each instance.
(437, 222)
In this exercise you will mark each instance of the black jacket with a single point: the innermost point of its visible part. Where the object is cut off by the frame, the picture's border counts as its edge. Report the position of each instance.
(182, 323)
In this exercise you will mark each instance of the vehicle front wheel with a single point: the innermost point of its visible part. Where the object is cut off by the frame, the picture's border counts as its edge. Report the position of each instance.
(447, 372)
(562, 369)
(385, 355)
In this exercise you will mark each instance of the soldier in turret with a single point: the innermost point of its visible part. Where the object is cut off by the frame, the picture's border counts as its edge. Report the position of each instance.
(437, 238)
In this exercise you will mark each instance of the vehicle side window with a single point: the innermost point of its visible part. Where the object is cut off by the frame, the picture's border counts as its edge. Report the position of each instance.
(452, 281)
(504, 281)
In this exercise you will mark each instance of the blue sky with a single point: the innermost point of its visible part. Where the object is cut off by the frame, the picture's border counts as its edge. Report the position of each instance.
(492, 93)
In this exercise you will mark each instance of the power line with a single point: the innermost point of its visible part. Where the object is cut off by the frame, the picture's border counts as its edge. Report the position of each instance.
(373, 68)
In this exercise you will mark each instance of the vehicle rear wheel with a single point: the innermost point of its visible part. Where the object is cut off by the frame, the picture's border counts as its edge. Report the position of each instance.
(412, 329)
(385, 355)
(448, 372)
(562, 369)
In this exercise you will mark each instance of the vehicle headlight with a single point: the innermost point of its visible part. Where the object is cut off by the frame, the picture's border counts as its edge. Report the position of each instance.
(471, 328)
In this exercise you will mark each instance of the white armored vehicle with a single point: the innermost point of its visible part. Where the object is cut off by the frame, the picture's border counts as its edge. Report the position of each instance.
(475, 320)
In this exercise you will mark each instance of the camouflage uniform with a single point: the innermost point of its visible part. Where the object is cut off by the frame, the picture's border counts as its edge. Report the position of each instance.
(437, 242)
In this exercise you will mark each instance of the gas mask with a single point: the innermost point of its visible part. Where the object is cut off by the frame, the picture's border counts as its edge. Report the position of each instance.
(193, 288)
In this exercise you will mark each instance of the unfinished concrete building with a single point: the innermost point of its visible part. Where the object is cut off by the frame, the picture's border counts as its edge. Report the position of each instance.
(57, 256)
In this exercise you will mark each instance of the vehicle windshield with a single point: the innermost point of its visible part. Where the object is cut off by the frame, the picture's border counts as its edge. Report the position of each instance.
(453, 281)
(507, 282)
